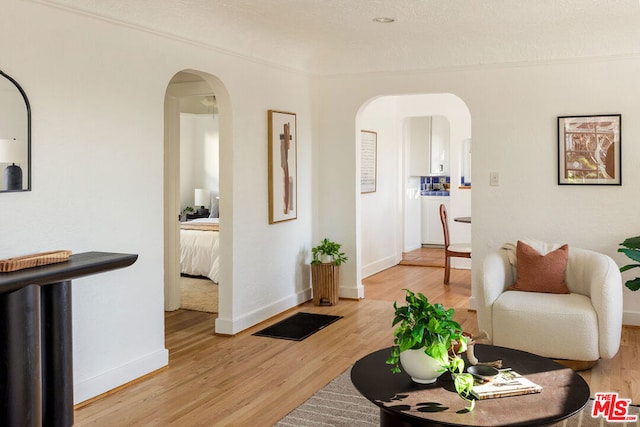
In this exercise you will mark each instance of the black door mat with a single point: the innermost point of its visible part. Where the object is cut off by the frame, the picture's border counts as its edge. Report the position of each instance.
(298, 327)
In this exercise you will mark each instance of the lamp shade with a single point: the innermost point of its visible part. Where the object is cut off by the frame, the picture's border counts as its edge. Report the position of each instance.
(12, 151)
(201, 197)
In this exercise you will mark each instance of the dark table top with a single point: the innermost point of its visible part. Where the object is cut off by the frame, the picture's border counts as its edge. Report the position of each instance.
(564, 392)
(78, 265)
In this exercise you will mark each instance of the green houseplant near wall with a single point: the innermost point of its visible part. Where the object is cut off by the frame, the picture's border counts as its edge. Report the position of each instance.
(325, 272)
(631, 248)
(428, 331)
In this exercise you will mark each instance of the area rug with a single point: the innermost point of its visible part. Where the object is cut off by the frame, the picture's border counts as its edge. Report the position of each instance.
(199, 294)
(298, 327)
(340, 404)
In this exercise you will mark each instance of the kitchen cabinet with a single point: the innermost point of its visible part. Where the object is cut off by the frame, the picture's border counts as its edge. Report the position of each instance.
(418, 132)
(430, 219)
(439, 145)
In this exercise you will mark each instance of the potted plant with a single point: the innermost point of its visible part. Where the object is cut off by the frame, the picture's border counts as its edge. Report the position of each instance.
(186, 211)
(428, 332)
(631, 248)
(325, 272)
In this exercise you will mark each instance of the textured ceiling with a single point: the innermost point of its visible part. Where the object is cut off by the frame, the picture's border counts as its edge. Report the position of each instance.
(338, 36)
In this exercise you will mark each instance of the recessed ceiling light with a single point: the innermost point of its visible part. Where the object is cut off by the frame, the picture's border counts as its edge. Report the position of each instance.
(384, 20)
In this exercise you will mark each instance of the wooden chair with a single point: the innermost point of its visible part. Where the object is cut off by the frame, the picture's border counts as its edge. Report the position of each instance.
(459, 250)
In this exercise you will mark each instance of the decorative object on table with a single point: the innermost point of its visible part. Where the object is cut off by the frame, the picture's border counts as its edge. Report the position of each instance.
(283, 166)
(631, 248)
(325, 272)
(15, 136)
(33, 260)
(589, 150)
(368, 161)
(483, 372)
(503, 384)
(298, 326)
(429, 330)
(202, 199)
(459, 250)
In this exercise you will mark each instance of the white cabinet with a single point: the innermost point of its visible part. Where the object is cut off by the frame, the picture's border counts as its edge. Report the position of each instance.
(418, 133)
(440, 142)
(430, 219)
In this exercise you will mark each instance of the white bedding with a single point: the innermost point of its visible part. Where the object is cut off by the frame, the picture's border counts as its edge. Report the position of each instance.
(199, 251)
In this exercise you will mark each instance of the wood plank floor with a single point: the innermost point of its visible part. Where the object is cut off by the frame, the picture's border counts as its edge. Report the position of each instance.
(246, 380)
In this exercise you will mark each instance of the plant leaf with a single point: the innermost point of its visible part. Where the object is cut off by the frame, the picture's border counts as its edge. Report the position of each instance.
(634, 254)
(632, 242)
(634, 284)
(628, 267)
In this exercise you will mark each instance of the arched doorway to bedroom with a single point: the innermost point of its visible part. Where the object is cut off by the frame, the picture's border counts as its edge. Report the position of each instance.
(196, 130)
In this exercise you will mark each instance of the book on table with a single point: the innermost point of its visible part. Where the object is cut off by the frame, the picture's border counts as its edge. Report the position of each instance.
(507, 383)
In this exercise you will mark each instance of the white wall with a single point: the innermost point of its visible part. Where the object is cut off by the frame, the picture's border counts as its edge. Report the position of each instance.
(97, 94)
(199, 160)
(514, 110)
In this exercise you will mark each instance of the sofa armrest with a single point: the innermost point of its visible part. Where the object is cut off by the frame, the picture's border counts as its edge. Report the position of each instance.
(497, 275)
(606, 298)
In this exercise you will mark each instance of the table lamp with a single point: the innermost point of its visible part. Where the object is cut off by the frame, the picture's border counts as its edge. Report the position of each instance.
(202, 200)
(10, 152)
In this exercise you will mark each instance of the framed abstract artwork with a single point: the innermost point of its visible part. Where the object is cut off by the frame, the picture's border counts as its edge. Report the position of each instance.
(283, 166)
(589, 150)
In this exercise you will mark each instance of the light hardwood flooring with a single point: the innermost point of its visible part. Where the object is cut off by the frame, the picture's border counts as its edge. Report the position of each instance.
(246, 380)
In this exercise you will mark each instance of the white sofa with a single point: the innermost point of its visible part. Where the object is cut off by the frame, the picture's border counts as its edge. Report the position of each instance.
(584, 325)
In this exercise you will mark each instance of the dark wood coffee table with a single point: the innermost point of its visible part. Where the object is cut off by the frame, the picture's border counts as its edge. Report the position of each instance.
(405, 403)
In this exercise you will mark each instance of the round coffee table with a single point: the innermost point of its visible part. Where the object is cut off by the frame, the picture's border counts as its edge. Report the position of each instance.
(405, 403)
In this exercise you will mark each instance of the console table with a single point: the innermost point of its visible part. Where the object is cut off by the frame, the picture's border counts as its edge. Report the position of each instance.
(36, 365)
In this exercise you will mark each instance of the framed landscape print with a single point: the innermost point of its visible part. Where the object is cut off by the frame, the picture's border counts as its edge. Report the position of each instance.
(589, 150)
(283, 166)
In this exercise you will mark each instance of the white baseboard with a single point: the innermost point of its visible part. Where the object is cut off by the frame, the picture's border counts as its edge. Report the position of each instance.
(378, 266)
(85, 390)
(631, 318)
(233, 326)
(352, 293)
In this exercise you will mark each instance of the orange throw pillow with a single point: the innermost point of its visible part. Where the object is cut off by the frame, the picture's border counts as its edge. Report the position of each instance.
(541, 273)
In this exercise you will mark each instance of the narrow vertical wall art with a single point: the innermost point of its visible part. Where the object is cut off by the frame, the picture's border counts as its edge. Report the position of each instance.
(283, 166)
(368, 161)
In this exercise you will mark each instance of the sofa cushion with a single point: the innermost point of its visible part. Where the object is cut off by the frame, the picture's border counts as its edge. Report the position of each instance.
(541, 273)
(560, 326)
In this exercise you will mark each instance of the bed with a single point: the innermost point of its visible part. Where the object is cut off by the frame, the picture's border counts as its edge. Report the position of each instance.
(199, 248)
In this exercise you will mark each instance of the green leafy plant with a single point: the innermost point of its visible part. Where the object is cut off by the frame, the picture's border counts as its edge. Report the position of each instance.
(422, 324)
(329, 248)
(631, 248)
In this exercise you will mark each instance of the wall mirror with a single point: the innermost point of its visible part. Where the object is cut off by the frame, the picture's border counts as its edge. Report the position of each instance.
(15, 136)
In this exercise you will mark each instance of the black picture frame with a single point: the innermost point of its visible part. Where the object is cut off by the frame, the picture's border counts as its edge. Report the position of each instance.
(590, 150)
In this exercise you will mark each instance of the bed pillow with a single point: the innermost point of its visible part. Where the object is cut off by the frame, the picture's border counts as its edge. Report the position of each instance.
(541, 273)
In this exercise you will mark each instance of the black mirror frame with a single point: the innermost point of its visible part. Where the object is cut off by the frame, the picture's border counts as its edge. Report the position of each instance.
(26, 102)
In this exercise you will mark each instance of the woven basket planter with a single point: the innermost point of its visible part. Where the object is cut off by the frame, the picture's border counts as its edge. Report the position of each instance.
(325, 282)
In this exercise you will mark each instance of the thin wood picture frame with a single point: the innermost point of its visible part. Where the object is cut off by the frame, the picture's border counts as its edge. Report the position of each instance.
(368, 161)
(283, 166)
(590, 150)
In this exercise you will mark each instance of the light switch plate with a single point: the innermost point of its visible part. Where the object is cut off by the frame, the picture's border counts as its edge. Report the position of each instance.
(494, 179)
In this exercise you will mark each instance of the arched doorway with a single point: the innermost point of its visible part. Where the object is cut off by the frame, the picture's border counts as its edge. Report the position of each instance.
(195, 87)
(398, 195)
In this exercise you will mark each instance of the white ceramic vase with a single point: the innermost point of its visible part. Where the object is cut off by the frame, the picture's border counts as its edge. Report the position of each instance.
(421, 367)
